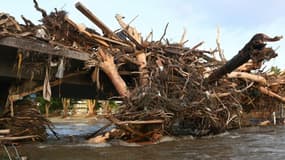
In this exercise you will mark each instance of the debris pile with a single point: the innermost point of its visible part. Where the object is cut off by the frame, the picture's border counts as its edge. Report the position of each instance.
(167, 88)
(26, 124)
(188, 101)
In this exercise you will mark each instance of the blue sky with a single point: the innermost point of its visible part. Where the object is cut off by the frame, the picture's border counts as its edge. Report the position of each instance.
(238, 20)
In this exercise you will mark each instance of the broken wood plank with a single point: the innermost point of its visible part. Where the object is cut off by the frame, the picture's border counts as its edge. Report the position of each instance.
(4, 131)
(42, 47)
(141, 122)
(17, 138)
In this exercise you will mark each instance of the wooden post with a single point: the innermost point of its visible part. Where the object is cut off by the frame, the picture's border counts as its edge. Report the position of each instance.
(91, 105)
(106, 107)
(65, 104)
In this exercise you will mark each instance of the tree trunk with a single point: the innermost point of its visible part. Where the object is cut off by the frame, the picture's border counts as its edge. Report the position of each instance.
(110, 69)
(254, 49)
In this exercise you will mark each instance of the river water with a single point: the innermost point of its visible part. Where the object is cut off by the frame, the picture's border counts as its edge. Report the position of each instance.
(253, 143)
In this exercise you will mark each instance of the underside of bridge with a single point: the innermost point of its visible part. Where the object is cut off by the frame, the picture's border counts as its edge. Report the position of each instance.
(21, 74)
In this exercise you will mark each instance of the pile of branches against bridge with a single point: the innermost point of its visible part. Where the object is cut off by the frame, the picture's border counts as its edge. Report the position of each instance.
(183, 89)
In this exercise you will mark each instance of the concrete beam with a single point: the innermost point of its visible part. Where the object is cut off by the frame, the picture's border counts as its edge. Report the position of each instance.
(43, 47)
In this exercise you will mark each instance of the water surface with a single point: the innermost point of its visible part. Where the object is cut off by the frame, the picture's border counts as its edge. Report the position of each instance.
(254, 143)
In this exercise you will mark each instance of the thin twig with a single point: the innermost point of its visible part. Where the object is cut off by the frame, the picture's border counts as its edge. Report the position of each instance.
(221, 54)
(44, 13)
(182, 40)
(164, 33)
(133, 19)
(150, 35)
(27, 21)
(193, 48)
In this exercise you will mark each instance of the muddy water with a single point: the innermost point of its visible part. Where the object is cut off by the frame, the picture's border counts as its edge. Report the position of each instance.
(255, 143)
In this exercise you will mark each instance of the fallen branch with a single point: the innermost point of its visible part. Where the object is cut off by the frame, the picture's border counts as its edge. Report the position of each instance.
(244, 75)
(164, 32)
(182, 39)
(268, 92)
(221, 52)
